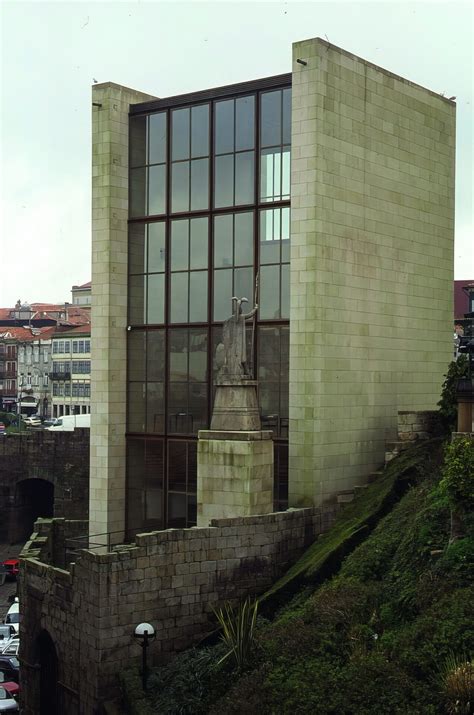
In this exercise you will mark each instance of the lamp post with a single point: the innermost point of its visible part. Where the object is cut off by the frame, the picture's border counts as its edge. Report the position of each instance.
(144, 633)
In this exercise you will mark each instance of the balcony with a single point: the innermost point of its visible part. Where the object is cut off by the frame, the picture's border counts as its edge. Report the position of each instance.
(60, 375)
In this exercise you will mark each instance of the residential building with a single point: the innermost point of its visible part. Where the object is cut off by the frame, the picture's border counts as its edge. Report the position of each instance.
(196, 191)
(82, 295)
(8, 371)
(34, 365)
(70, 371)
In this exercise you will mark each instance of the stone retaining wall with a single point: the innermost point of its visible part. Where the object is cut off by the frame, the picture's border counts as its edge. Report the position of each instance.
(418, 425)
(170, 578)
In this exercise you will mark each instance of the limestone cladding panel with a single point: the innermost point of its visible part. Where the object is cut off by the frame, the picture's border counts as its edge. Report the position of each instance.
(372, 219)
(109, 303)
(171, 579)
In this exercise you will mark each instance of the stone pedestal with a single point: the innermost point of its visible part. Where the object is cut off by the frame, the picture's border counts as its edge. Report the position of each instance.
(236, 406)
(234, 474)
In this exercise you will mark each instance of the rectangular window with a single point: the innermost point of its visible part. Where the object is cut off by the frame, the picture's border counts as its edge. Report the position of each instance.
(189, 259)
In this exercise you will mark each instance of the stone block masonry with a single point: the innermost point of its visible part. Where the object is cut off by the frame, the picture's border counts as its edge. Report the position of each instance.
(171, 579)
(372, 236)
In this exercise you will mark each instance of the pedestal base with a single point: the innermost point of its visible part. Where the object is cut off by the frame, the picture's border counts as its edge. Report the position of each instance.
(234, 474)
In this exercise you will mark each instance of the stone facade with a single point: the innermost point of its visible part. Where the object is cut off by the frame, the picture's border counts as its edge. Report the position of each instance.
(171, 579)
(109, 304)
(57, 461)
(234, 474)
(372, 234)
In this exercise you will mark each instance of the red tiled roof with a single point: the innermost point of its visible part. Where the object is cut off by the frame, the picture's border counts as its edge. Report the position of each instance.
(77, 330)
(84, 285)
(461, 301)
(16, 333)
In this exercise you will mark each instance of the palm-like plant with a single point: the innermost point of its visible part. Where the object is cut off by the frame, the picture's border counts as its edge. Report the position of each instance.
(458, 685)
(238, 630)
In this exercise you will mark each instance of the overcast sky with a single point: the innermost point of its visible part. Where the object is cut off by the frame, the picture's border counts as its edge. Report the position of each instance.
(51, 51)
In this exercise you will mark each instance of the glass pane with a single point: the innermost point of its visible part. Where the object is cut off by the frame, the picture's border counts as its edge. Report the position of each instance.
(180, 187)
(285, 291)
(154, 505)
(136, 463)
(243, 286)
(223, 241)
(180, 134)
(156, 247)
(197, 355)
(270, 129)
(136, 248)
(269, 236)
(155, 355)
(155, 407)
(156, 298)
(269, 354)
(156, 189)
(200, 131)
(199, 184)
(179, 420)
(285, 234)
(244, 123)
(269, 303)
(136, 406)
(198, 249)
(286, 116)
(192, 467)
(198, 406)
(243, 239)
(154, 462)
(224, 181)
(177, 466)
(198, 296)
(222, 294)
(179, 298)
(178, 355)
(136, 355)
(244, 178)
(224, 126)
(192, 509)
(176, 510)
(137, 141)
(270, 175)
(136, 303)
(137, 192)
(285, 174)
(157, 138)
(180, 245)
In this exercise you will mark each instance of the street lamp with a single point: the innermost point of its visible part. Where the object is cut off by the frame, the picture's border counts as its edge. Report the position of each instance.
(144, 633)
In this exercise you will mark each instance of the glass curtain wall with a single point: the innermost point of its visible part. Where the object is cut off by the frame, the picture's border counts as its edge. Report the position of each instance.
(209, 212)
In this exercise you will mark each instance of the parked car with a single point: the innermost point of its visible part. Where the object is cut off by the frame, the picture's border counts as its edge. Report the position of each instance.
(3, 429)
(33, 421)
(12, 566)
(8, 704)
(11, 647)
(68, 423)
(50, 423)
(7, 632)
(13, 616)
(10, 667)
(9, 685)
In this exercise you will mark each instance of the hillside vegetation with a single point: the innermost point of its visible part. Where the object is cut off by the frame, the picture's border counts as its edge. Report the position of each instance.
(369, 633)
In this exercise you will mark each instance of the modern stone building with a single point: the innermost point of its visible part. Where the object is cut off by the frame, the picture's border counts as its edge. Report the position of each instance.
(191, 200)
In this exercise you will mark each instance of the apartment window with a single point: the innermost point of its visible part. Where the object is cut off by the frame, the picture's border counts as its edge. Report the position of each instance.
(81, 366)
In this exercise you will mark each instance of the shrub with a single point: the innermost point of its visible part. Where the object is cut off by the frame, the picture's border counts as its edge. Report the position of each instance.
(458, 685)
(238, 631)
(458, 473)
(448, 404)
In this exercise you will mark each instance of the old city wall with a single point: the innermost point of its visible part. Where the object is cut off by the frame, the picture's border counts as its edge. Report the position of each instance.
(33, 460)
(170, 578)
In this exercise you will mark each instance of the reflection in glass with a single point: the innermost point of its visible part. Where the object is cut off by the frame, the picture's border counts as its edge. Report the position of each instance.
(178, 355)
(269, 236)
(244, 123)
(136, 406)
(197, 296)
(156, 247)
(198, 248)
(179, 245)
(198, 405)
(222, 293)
(224, 181)
(269, 304)
(197, 355)
(154, 505)
(136, 354)
(137, 192)
(156, 298)
(244, 178)
(243, 239)
(176, 510)
(137, 141)
(270, 129)
(286, 116)
(285, 234)
(157, 138)
(136, 248)
(180, 134)
(156, 189)
(200, 131)
(224, 126)
(199, 184)
(285, 290)
(180, 187)
(285, 174)
(223, 240)
(155, 419)
(179, 419)
(243, 285)
(177, 466)
(155, 355)
(136, 301)
(179, 298)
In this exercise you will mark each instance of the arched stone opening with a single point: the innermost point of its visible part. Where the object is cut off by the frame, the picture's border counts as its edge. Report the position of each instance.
(34, 498)
(47, 659)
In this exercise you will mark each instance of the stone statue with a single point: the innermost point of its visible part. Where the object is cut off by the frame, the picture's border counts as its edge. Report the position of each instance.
(231, 354)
